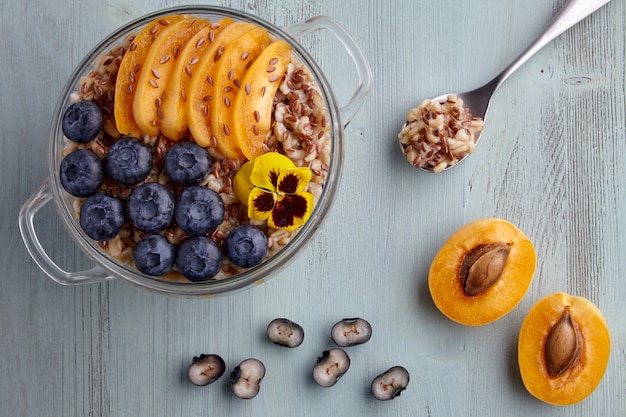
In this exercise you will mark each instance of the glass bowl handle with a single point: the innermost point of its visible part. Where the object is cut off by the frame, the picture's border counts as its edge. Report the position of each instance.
(27, 228)
(363, 69)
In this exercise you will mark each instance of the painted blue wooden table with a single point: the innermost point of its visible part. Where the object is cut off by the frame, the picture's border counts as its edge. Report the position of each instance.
(550, 161)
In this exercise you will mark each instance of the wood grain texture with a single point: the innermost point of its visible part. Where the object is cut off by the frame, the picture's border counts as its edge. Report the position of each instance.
(551, 161)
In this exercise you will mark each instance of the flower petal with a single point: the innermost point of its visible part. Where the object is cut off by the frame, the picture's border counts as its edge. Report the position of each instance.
(267, 169)
(292, 211)
(260, 204)
(241, 182)
(295, 180)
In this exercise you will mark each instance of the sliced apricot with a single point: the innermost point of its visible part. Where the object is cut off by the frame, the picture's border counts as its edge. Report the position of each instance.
(174, 123)
(482, 271)
(254, 101)
(130, 70)
(238, 55)
(158, 66)
(563, 349)
(200, 87)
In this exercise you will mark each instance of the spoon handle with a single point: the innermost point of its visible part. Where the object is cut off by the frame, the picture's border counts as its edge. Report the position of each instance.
(571, 13)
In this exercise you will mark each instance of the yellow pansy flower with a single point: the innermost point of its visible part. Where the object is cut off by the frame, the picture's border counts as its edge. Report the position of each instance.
(274, 190)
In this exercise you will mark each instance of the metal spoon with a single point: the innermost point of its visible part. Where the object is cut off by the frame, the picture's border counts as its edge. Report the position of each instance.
(477, 101)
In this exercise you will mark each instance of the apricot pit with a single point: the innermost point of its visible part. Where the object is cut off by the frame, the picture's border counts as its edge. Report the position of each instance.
(482, 271)
(563, 349)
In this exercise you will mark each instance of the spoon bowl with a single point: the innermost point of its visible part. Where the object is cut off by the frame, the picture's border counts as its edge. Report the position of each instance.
(476, 102)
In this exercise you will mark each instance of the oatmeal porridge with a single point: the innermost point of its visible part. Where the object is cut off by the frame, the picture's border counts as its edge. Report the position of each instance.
(293, 124)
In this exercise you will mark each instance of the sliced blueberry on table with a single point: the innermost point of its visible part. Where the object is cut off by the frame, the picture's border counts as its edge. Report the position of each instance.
(154, 255)
(285, 332)
(390, 383)
(246, 246)
(205, 369)
(330, 367)
(101, 216)
(150, 207)
(81, 173)
(199, 258)
(349, 332)
(82, 121)
(187, 163)
(245, 379)
(128, 161)
(199, 210)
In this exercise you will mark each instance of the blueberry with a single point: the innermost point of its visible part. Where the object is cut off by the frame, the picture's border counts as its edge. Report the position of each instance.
(101, 216)
(187, 163)
(82, 121)
(154, 255)
(199, 258)
(128, 161)
(246, 246)
(199, 210)
(150, 207)
(81, 173)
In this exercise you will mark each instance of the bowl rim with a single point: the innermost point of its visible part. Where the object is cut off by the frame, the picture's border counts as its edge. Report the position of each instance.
(249, 277)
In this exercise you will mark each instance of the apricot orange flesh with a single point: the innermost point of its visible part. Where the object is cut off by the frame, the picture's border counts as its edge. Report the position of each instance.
(585, 363)
(482, 271)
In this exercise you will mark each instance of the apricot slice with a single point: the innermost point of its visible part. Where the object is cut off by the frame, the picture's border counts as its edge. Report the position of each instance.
(200, 87)
(158, 66)
(129, 73)
(238, 55)
(482, 271)
(174, 123)
(254, 101)
(563, 349)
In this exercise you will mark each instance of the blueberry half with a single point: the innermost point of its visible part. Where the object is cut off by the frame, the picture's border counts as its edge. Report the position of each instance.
(154, 255)
(128, 161)
(82, 121)
(151, 207)
(330, 367)
(199, 258)
(245, 379)
(246, 246)
(199, 210)
(285, 332)
(101, 216)
(390, 383)
(205, 369)
(187, 163)
(349, 332)
(81, 173)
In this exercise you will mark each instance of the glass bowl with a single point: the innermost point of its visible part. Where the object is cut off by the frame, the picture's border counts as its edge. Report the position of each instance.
(106, 267)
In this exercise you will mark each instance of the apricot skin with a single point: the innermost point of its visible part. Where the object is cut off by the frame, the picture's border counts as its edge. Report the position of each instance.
(496, 301)
(582, 378)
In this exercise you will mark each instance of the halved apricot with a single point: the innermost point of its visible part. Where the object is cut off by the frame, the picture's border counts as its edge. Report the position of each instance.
(482, 271)
(200, 88)
(563, 349)
(158, 66)
(254, 101)
(129, 71)
(174, 123)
